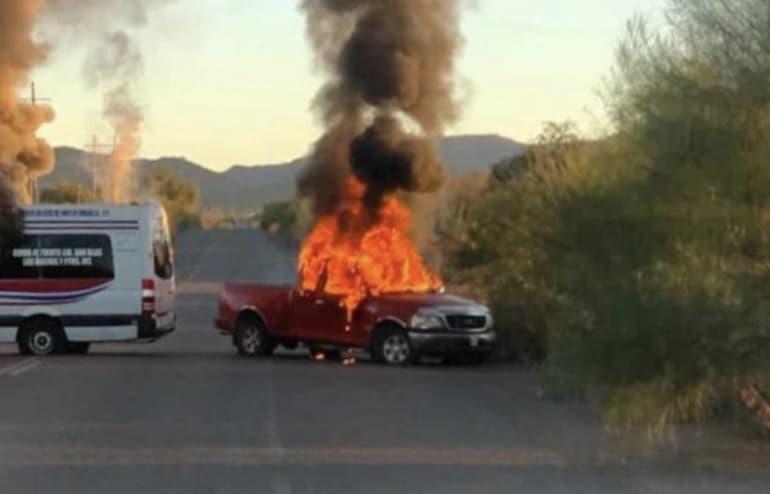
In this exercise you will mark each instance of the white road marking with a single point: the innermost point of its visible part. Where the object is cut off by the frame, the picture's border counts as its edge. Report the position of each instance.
(271, 421)
(273, 434)
(10, 367)
(19, 367)
(279, 481)
(68, 455)
(31, 364)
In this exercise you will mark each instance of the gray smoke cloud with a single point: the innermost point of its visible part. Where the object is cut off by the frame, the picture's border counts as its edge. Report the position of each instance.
(114, 65)
(68, 21)
(117, 64)
(23, 156)
(390, 94)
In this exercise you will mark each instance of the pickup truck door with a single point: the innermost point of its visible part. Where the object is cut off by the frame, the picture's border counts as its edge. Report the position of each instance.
(317, 318)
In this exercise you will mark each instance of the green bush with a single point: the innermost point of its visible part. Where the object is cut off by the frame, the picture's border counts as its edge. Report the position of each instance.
(639, 265)
(279, 217)
(287, 218)
(179, 198)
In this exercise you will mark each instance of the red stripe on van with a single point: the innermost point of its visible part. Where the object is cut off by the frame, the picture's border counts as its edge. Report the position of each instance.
(51, 286)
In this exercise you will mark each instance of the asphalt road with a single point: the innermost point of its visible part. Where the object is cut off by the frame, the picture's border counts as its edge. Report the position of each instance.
(186, 415)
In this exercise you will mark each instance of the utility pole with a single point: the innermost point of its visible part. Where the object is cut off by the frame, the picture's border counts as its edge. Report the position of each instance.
(93, 149)
(34, 101)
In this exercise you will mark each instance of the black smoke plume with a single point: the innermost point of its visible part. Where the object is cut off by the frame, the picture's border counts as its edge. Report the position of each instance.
(388, 160)
(389, 95)
(10, 216)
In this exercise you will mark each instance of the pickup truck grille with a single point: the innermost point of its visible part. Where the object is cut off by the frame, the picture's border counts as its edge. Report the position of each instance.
(466, 322)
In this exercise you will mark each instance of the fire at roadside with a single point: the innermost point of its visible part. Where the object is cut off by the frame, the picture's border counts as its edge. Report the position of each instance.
(389, 96)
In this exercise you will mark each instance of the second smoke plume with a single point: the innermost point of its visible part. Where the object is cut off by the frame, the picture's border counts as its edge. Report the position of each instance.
(389, 95)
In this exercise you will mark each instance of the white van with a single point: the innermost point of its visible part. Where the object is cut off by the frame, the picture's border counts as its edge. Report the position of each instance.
(87, 273)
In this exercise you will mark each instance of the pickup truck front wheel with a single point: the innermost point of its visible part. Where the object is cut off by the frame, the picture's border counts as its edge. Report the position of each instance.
(253, 340)
(391, 346)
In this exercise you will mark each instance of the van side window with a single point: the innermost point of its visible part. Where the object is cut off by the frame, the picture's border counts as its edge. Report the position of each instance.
(76, 256)
(16, 262)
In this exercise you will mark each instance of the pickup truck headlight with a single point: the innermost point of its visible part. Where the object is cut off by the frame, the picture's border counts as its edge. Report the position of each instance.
(427, 321)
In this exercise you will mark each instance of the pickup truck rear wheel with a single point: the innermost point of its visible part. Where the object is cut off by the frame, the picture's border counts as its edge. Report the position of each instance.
(253, 340)
(391, 346)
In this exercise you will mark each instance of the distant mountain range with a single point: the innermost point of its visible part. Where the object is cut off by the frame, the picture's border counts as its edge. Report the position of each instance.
(249, 187)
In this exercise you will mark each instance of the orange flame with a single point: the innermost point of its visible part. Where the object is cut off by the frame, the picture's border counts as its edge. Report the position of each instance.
(352, 256)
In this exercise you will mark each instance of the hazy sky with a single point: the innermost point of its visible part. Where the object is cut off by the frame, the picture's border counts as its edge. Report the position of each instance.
(230, 81)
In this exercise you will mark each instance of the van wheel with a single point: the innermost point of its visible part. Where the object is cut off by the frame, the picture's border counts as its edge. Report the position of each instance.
(41, 337)
(252, 340)
(391, 346)
(78, 348)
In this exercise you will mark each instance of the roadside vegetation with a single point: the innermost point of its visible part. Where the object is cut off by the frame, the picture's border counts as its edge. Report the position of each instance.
(638, 265)
(180, 198)
(285, 218)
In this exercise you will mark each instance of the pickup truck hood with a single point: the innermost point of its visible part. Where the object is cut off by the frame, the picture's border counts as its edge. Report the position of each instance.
(405, 305)
(426, 299)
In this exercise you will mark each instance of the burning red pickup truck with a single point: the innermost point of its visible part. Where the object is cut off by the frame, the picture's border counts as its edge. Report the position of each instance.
(396, 328)
(362, 284)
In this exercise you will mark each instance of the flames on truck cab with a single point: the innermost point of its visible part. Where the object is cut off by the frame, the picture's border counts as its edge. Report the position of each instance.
(351, 255)
(389, 96)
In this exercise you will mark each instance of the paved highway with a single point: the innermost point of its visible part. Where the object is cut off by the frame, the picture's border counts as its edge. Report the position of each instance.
(185, 415)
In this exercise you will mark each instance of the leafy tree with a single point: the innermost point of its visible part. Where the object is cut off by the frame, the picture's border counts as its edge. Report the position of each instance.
(288, 218)
(179, 198)
(639, 263)
(279, 217)
(681, 323)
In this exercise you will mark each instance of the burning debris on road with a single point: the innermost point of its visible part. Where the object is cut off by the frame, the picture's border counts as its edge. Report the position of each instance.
(389, 96)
